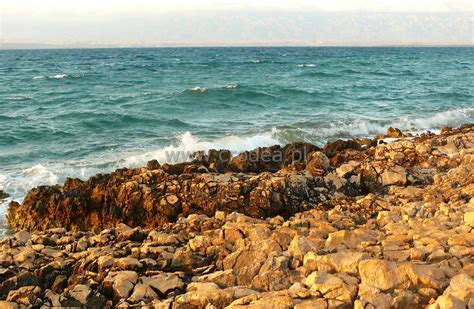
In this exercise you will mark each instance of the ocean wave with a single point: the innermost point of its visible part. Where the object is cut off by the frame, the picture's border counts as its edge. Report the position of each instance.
(38, 77)
(308, 65)
(369, 127)
(197, 89)
(57, 76)
(232, 86)
(188, 144)
(320, 74)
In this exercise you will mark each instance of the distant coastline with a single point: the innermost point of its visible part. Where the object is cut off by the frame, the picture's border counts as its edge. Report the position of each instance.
(34, 46)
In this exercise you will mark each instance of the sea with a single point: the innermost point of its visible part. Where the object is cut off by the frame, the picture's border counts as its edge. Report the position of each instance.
(78, 112)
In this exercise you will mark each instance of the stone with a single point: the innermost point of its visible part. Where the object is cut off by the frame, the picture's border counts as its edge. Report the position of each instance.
(469, 218)
(142, 292)
(459, 293)
(26, 295)
(23, 236)
(200, 294)
(394, 133)
(330, 286)
(8, 305)
(351, 239)
(384, 275)
(81, 293)
(122, 283)
(105, 261)
(128, 263)
(301, 245)
(318, 164)
(165, 283)
(347, 261)
(396, 176)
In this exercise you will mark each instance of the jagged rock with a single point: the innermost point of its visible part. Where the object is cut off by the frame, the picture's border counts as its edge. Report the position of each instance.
(8, 305)
(385, 275)
(459, 294)
(347, 261)
(141, 292)
(164, 283)
(317, 164)
(22, 236)
(330, 286)
(81, 293)
(121, 283)
(3, 195)
(128, 263)
(394, 133)
(27, 296)
(395, 176)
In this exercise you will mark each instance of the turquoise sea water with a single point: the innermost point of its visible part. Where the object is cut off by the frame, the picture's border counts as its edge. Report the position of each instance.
(80, 112)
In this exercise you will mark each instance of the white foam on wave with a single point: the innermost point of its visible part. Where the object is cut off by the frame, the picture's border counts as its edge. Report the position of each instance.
(198, 89)
(188, 144)
(58, 76)
(38, 77)
(365, 127)
(17, 184)
(232, 86)
(306, 65)
(255, 60)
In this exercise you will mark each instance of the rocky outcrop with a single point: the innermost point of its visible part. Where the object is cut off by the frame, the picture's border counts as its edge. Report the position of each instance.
(3, 195)
(261, 183)
(404, 244)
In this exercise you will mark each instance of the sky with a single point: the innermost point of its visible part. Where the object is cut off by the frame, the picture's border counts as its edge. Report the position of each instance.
(244, 22)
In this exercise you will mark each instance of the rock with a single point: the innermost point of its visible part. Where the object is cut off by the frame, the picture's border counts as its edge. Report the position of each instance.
(394, 133)
(395, 176)
(8, 305)
(27, 296)
(337, 262)
(22, 236)
(317, 164)
(330, 286)
(105, 261)
(299, 246)
(469, 218)
(128, 263)
(386, 276)
(202, 294)
(422, 149)
(459, 294)
(165, 283)
(3, 195)
(351, 239)
(122, 283)
(153, 165)
(142, 292)
(267, 300)
(81, 293)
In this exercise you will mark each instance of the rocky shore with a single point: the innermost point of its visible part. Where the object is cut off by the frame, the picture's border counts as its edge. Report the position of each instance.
(356, 224)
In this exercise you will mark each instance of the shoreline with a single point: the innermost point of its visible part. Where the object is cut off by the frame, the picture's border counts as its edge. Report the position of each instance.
(354, 223)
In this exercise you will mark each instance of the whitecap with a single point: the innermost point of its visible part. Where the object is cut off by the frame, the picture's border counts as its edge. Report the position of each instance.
(308, 65)
(39, 77)
(232, 86)
(198, 89)
(58, 76)
(370, 127)
(255, 60)
(188, 144)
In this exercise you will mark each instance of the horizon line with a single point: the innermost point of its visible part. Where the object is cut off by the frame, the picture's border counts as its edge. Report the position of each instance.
(45, 46)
